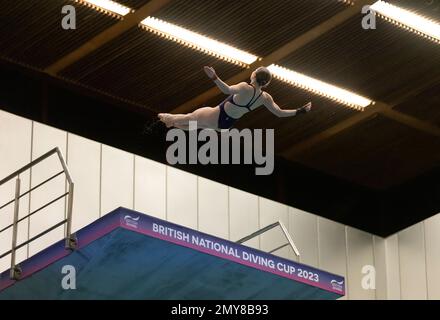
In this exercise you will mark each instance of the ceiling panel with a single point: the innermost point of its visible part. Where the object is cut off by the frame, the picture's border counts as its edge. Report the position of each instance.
(149, 70)
(381, 64)
(31, 31)
(259, 27)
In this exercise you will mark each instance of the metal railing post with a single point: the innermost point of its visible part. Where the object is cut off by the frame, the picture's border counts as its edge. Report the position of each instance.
(71, 241)
(15, 271)
(289, 238)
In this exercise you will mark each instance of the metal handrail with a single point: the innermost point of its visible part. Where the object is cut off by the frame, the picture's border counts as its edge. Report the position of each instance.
(32, 189)
(270, 227)
(15, 271)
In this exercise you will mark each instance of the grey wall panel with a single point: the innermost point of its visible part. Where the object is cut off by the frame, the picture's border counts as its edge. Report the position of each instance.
(412, 263)
(182, 198)
(432, 238)
(15, 152)
(84, 162)
(360, 265)
(213, 208)
(304, 231)
(150, 187)
(244, 216)
(116, 179)
(44, 139)
(332, 248)
(270, 212)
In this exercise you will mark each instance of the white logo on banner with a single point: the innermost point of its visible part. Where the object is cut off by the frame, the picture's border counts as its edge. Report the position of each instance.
(337, 285)
(131, 221)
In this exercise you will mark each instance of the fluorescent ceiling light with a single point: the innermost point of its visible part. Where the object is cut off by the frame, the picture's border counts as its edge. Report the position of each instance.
(408, 20)
(108, 5)
(198, 42)
(318, 87)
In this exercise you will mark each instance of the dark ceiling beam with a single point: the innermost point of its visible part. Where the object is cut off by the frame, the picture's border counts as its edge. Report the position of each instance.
(409, 120)
(79, 88)
(403, 95)
(379, 107)
(307, 144)
(129, 21)
(280, 53)
(412, 122)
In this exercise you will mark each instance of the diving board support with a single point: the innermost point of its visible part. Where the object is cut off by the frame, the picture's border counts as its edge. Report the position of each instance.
(270, 227)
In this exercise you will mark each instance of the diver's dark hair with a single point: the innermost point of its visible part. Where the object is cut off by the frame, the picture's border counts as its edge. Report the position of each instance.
(263, 76)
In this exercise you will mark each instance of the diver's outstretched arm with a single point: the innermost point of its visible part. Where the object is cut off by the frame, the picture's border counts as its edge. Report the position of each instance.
(276, 110)
(224, 87)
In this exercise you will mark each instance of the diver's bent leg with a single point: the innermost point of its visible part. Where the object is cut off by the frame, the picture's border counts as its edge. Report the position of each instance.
(206, 117)
(182, 119)
(172, 119)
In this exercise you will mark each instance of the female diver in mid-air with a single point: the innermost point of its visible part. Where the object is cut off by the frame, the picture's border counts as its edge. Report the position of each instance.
(243, 98)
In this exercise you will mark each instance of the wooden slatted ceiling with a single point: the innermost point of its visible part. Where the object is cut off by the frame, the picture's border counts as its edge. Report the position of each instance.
(146, 69)
(31, 33)
(255, 26)
(375, 63)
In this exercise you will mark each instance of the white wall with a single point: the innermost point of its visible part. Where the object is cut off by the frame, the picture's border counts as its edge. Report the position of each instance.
(14, 153)
(270, 212)
(304, 227)
(44, 139)
(332, 248)
(150, 187)
(410, 262)
(106, 178)
(117, 179)
(182, 198)
(213, 208)
(84, 162)
(432, 247)
(244, 216)
(386, 255)
(360, 253)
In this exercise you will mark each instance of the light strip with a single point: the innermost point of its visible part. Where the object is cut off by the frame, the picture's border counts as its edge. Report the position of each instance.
(108, 5)
(198, 42)
(318, 87)
(408, 20)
